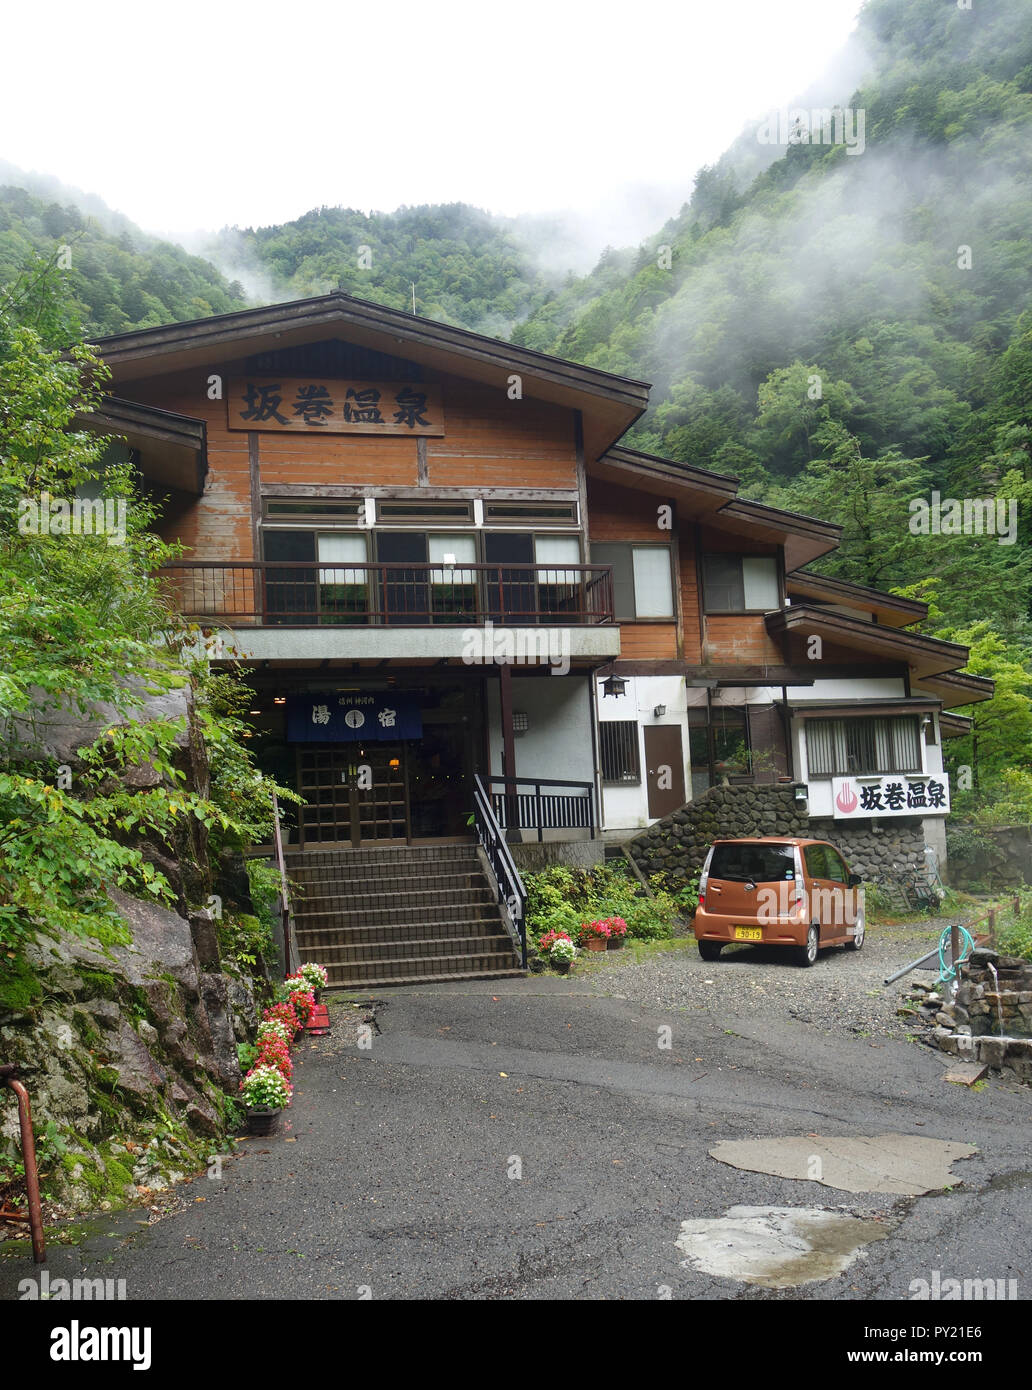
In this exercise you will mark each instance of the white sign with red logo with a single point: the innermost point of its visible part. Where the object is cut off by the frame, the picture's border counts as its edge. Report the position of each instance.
(898, 794)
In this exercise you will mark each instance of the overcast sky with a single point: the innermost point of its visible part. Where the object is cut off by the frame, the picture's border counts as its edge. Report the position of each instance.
(190, 116)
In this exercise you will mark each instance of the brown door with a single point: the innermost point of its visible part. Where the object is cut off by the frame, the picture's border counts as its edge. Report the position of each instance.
(354, 794)
(664, 761)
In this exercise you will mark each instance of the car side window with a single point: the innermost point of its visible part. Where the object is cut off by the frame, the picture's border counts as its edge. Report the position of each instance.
(814, 856)
(836, 870)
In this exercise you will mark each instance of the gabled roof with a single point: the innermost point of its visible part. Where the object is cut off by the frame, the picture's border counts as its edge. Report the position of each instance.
(609, 404)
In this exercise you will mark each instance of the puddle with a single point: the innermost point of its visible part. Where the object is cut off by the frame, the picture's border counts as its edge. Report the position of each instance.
(777, 1247)
(905, 1165)
(1010, 1181)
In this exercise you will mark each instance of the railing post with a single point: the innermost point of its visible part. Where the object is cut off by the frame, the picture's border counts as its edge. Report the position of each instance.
(537, 813)
(9, 1076)
(955, 950)
(991, 918)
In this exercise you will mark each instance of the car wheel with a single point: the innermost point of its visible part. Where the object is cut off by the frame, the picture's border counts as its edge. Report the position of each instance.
(808, 953)
(710, 950)
(856, 941)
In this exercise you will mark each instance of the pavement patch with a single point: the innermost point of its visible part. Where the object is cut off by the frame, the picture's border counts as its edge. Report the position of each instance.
(777, 1247)
(905, 1165)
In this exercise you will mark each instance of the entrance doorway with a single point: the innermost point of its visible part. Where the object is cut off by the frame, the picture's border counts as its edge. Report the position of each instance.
(355, 794)
(664, 761)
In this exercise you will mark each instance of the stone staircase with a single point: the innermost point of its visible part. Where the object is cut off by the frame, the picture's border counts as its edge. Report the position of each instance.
(399, 915)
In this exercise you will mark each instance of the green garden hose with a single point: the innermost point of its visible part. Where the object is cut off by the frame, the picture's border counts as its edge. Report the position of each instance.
(949, 972)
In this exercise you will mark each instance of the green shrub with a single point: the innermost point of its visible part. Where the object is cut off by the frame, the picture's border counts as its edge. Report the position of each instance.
(1014, 931)
(560, 899)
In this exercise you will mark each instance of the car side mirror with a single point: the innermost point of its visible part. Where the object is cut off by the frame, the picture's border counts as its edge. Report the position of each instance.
(855, 881)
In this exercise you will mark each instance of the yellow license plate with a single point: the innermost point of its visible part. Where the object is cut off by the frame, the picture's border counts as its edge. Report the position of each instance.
(748, 933)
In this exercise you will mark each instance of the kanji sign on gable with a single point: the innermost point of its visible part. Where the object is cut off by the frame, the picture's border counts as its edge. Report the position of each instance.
(313, 406)
(897, 794)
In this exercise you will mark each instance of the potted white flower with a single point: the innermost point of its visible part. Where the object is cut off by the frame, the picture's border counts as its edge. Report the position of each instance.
(265, 1092)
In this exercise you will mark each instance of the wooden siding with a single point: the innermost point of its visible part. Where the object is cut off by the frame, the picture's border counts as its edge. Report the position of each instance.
(740, 637)
(491, 441)
(622, 514)
(293, 458)
(648, 641)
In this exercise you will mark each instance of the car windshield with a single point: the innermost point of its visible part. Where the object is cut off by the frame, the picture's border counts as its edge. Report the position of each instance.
(752, 863)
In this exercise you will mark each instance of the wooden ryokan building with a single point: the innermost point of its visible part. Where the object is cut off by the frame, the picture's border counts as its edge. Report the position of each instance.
(438, 562)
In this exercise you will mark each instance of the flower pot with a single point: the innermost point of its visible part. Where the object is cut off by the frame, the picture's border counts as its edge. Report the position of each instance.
(262, 1120)
(596, 943)
(562, 966)
(615, 943)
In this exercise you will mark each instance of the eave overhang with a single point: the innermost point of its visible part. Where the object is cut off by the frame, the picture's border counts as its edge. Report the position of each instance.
(706, 492)
(888, 609)
(173, 448)
(804, 538)
(959, 687)
(925, 656)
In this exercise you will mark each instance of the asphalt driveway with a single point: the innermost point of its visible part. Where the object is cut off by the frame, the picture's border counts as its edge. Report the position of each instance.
(546, 1137)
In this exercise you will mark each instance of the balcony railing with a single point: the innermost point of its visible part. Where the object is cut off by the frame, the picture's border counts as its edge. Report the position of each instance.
(312, 594)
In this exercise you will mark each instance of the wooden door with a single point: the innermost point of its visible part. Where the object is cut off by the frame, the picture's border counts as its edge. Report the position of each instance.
(354, 794)
(664, 762)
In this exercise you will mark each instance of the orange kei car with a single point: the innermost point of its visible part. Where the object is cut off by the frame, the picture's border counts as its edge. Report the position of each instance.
(778, 892)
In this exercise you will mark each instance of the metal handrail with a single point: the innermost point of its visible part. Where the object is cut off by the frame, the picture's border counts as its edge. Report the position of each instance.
(290, 956)
(512, 895)
(346, 593)
(9, 1077)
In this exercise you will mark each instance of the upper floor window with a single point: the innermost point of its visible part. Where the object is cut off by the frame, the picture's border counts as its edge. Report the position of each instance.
(835, 747)
(740, 583)
(642, 580)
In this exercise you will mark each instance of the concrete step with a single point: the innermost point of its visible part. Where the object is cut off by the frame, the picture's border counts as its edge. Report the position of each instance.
(469, 965)
(313, 939)
(425, 948)
(406, 904)
(344, 918)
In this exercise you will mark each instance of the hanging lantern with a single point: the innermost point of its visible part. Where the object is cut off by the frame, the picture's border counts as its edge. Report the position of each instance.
(614, 685)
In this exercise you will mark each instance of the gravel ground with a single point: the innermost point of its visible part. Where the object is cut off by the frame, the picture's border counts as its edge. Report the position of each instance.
(843, 990)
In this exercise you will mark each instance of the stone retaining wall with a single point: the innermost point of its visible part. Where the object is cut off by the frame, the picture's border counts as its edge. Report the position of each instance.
(678, 843)
(876, 849)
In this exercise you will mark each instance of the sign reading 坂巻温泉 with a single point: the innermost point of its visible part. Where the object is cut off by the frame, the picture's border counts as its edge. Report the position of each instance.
(897, 794)
(367, 717)
(334, 407)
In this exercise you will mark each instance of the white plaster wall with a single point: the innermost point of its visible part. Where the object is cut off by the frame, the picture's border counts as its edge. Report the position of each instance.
(625, 806)
(558, 742)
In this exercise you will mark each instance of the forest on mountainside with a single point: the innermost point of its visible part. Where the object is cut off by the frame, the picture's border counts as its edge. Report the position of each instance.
(844, 331)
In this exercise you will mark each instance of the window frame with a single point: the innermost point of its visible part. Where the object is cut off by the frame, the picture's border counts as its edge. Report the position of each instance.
(868, 722)
(739, 556)
(632, 546)
(632, 743)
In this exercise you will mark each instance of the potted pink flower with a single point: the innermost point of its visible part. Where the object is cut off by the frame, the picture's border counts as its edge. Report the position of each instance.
(617, 932)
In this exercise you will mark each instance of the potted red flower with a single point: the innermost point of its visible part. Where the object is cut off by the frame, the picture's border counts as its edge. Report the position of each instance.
(594, 935)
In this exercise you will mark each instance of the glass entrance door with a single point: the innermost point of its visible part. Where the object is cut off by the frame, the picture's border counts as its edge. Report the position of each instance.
(354, 794)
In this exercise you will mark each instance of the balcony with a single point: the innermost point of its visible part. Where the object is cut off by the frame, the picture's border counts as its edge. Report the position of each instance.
(290, 610)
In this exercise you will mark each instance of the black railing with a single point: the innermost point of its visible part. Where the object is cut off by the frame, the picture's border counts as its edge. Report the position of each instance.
(523, 805)
(512, 895)
(289, 593)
